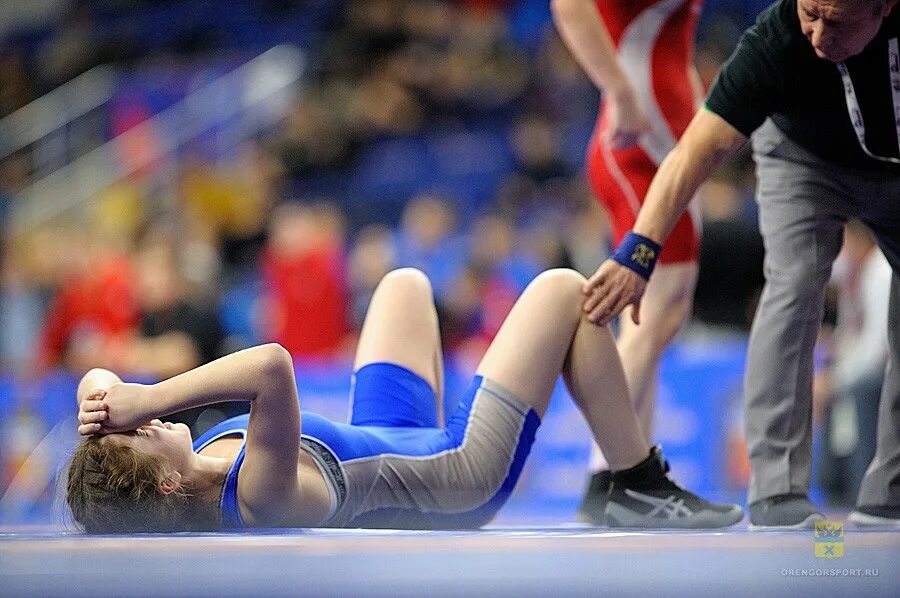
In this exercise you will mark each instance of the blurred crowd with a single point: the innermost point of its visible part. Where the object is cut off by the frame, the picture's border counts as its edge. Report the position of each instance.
(269, 245)
(246, 254)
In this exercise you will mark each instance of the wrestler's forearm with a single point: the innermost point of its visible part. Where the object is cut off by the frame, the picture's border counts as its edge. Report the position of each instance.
(581, 28)
(263, 376)
(707, 143)
(242, 376)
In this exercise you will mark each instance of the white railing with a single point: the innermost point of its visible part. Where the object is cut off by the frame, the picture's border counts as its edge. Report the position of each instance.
(55, 110)
(244, 101)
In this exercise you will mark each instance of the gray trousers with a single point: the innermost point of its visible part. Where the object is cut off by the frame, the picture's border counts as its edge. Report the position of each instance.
(803, 204)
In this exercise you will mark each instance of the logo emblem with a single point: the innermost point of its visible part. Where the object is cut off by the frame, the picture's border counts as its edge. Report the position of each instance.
(643, 255)
(829, 537)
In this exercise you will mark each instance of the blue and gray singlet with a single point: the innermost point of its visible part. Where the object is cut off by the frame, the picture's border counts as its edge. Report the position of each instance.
(391, 466)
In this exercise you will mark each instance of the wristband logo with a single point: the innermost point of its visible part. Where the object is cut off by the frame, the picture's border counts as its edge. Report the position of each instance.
(643, 255)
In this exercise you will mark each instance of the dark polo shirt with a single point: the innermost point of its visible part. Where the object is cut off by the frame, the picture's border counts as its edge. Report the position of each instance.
(774, 72)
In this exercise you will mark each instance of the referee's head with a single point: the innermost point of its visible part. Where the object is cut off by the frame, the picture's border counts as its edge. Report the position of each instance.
(839, 29)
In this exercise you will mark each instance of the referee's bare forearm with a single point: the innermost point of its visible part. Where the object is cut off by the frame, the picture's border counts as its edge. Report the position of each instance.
(707, 142)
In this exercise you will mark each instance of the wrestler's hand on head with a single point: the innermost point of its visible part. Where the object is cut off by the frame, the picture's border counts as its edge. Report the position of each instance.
(92, 413)
(627, 119)
(120, 408)
(610, 290)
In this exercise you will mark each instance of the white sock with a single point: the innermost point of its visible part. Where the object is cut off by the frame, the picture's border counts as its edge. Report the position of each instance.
(598, 461)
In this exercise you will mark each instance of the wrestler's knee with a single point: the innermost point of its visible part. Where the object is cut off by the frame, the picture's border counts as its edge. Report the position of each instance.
(564, 282)
(408, 282)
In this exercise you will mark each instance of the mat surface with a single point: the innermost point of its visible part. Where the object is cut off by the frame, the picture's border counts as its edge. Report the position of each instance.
(559, 561)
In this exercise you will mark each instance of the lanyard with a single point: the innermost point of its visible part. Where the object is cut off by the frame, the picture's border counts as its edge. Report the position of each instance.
(853, 104)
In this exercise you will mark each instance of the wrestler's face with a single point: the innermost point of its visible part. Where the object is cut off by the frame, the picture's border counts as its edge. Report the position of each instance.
(170, 441)
(839, 29)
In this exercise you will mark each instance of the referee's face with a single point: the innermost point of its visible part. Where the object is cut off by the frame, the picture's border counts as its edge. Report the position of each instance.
(839, 29)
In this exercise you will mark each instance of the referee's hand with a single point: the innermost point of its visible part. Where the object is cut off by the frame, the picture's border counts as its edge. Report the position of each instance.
(610, 290)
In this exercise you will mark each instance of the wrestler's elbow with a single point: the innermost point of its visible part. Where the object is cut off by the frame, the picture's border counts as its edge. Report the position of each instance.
(275, 362)
(95, 379)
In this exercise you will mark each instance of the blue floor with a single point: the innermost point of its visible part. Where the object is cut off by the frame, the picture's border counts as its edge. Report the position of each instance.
(554, 561)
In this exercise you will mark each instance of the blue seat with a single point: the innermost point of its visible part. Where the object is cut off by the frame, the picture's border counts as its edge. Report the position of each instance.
(389, 172)
(471, 164)
(467, 166)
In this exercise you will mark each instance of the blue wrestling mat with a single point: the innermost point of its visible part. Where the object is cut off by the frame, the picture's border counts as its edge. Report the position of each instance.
(557, 561)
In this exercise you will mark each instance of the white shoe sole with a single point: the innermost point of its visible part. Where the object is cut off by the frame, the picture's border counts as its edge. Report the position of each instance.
(808, 523)
(865, 520)
(697, 521)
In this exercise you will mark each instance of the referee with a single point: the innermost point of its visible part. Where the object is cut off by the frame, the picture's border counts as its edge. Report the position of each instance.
(816, 84)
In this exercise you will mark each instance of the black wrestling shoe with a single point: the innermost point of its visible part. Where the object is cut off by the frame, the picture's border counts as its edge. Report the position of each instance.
(784, 511)
(644, 496)
(593, 504)
(876, 516)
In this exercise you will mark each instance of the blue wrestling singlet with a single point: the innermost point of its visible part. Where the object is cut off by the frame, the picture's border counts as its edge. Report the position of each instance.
(391, 466)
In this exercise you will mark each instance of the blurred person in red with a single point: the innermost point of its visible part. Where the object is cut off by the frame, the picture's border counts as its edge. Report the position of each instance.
(303, 266)
(639, 53)
(94, 308)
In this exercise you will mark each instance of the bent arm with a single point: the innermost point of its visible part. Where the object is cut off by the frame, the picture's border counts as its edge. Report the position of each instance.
(262, 375)
(249, 375)
(708, 141)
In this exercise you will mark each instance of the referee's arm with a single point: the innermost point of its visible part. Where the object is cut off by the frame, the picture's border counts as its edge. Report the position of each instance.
(708, 141)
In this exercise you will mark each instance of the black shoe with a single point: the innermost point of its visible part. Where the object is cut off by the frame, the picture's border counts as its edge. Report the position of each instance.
(593, 504)
(644, 496)
(876, 516)
(784, 511)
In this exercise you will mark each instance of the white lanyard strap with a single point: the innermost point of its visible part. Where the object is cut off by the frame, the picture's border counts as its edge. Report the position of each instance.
(856, 118)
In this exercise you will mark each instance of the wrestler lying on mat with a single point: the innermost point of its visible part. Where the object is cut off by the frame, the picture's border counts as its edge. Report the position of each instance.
(394, 464)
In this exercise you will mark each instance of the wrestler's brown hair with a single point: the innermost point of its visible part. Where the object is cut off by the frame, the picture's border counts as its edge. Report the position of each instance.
(114, 488)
